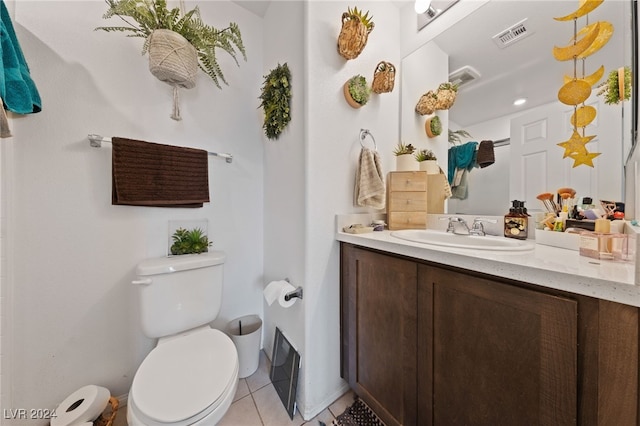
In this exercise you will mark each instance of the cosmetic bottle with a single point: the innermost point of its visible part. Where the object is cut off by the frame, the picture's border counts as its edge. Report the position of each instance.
(515, 222)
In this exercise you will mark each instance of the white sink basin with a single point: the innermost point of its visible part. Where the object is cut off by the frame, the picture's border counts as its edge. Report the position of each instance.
(439, 238)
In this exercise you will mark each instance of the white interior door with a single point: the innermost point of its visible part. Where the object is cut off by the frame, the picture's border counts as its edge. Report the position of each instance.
(537, 165)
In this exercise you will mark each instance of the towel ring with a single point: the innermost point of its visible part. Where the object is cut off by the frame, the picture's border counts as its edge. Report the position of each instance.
(363, 134)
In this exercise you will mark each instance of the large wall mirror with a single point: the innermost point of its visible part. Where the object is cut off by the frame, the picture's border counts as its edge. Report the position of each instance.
(528, 161)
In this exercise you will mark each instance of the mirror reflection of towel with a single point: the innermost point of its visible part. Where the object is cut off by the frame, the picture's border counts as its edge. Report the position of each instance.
(485, 156)
(370, 189)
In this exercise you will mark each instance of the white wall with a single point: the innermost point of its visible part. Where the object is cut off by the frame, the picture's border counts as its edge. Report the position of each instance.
(284, 180)
(74, 320)
(331, 156)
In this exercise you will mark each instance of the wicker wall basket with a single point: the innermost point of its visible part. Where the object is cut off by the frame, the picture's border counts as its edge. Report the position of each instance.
(353, 37)
(383, 77)
(445, 98)
(427, 103)
(173, 59)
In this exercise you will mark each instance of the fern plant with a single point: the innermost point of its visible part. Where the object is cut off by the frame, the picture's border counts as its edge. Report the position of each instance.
(610, 89)
(276, 101)
(150, 15)
(189, 241)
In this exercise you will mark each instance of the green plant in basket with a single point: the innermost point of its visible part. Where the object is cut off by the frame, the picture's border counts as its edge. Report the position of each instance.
(357, 15)
(402, 149)
(189, 241)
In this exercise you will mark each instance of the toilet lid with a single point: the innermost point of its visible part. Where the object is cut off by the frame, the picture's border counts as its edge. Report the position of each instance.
(183, 376)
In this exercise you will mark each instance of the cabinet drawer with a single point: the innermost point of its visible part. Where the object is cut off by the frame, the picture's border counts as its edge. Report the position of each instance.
(408, 201)
(408, 181)
(407, 220)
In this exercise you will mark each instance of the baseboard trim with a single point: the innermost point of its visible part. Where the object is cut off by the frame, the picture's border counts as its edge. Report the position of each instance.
(310, 412)
(122, 400)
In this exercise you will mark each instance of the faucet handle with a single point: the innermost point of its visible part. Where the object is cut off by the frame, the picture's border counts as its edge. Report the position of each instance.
(478, 227)
(450, 226)
(484, 219)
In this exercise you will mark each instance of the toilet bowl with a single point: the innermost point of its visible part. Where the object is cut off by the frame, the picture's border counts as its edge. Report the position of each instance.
(187, 379)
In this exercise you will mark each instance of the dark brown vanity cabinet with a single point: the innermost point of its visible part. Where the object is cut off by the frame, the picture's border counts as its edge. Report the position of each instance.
(424, 344)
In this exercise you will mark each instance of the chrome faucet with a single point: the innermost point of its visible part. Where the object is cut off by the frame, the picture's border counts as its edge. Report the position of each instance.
(451, 227)
(478, 228)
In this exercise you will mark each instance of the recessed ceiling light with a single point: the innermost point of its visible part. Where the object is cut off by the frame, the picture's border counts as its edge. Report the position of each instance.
(519, 101)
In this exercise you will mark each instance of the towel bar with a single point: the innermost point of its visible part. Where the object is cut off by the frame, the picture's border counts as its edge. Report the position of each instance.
(96, 142)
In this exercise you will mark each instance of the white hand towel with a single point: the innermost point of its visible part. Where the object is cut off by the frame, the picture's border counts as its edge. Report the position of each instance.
(370, 189)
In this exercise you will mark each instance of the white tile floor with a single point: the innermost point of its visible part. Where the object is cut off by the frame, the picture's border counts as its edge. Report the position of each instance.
(257, 404)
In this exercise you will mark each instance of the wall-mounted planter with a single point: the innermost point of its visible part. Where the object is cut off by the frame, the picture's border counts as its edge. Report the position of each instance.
(433, 126)
(384, 77)
(356, 91)
(354, 33)
(427, 103)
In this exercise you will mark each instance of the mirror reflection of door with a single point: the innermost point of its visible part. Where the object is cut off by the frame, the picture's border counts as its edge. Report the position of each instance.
(536, 163)
(484, 106)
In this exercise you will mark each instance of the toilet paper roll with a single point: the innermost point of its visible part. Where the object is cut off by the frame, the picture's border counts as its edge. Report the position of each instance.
(276, 290)
(84, 405)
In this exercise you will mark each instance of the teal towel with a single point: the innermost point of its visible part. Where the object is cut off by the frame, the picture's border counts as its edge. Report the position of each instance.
(461, 157)
(17, 89)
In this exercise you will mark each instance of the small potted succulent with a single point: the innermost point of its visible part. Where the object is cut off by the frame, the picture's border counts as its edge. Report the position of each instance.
(405, 161)
(357, 91)
(354, 33)
(189, 241)
(433, 126)
(427, 161)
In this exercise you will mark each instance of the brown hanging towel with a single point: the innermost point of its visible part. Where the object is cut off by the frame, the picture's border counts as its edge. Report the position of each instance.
(157, 175)
(486, 156)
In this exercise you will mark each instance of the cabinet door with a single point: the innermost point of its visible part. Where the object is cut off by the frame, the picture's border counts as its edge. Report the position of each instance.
(495, 354)
(379, 332)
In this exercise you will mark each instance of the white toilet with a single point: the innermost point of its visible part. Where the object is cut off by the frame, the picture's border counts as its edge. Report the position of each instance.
(191, 376)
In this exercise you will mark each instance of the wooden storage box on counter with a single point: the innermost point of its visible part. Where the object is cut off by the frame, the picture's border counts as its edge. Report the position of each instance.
(411, 196)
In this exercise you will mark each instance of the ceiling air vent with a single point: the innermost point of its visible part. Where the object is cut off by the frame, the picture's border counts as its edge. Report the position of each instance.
(512, 34)
(464, 75)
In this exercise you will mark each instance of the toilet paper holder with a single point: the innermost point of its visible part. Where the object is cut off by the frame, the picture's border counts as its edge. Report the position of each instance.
(295, 293)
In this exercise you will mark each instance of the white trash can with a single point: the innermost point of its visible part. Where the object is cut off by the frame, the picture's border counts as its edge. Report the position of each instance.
(245, 333)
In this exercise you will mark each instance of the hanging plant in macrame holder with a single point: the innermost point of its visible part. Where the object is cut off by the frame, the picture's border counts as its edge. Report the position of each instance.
(427, 103)
(178, 42)
(354, 33)
(173, 60)
(383, 77)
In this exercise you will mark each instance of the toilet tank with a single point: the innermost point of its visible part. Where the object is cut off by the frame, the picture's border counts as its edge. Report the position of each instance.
(177, 293)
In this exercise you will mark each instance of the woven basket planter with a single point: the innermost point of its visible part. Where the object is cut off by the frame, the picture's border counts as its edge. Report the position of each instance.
(383, 77)
(172, 59)
(445, 98)
(427, 103)
(353, 37)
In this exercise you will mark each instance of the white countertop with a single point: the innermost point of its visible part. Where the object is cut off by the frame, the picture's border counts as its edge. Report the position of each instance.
(546, 266)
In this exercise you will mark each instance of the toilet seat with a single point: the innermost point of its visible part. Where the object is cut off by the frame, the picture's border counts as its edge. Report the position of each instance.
(185, 377)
